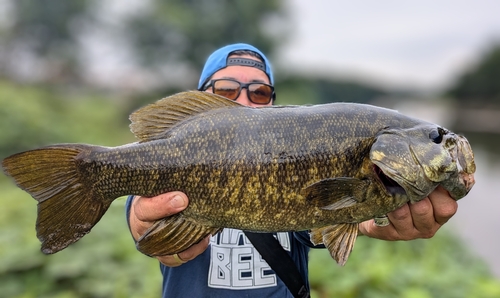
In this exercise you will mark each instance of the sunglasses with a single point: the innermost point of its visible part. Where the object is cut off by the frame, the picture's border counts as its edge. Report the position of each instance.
(258, 93)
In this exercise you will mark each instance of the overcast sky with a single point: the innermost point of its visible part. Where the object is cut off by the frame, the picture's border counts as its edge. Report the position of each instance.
(423, 43)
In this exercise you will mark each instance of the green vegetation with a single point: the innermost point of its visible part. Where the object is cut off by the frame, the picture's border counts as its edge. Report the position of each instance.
(157, 33)
(33, 116)
(438, 267)
(299, 89)
(478, 87)
(105, 262)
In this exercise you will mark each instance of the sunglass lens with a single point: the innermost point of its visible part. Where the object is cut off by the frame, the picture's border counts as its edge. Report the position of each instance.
(228, 89)
(260, 93)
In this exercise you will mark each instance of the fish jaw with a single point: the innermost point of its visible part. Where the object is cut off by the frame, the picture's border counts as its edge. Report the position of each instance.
(460, 184)
(401, 190)
(397, 168)
(465, 156)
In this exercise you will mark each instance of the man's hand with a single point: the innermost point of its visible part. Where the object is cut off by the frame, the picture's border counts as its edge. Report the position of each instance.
(145, 211)
(412, 221)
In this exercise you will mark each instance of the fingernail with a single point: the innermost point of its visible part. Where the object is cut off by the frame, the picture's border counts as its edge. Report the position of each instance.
(177, 202)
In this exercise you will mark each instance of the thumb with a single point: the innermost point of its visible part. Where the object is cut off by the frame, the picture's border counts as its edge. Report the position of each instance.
(154, 208)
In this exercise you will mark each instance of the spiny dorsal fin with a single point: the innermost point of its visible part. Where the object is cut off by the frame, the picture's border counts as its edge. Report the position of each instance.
(152, 121)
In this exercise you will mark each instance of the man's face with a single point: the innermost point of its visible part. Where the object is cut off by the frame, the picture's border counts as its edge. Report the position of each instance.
(243, 74)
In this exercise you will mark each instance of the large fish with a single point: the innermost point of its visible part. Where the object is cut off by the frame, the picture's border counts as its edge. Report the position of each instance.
(323, 168)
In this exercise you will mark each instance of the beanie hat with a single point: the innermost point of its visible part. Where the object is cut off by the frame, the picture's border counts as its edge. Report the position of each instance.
(219, 60)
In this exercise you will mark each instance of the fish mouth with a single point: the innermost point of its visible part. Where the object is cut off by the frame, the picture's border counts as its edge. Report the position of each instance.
(390, 184)
(468, 180)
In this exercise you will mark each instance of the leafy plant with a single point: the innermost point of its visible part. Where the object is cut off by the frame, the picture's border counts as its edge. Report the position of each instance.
(437, 267)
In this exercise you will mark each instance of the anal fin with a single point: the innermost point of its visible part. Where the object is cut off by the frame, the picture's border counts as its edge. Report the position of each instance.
(172, 235)
(338, 239)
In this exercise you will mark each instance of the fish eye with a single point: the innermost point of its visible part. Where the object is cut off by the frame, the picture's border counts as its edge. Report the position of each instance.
(436, 135)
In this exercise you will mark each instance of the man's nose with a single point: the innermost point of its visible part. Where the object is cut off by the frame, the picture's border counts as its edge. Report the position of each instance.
(243, 98)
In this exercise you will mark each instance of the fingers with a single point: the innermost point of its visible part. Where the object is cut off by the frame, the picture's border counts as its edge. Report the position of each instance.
(401, 227)
(145, 211)
(154, 208)
(444, 205)
(418, 220)
(187, 255)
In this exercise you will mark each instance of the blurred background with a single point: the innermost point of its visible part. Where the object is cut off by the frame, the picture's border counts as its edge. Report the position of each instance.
(72, 71)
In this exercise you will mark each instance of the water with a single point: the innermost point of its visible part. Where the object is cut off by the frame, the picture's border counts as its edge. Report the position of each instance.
(478, 217)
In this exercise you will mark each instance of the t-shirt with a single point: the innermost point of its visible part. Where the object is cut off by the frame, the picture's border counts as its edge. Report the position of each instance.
(232, 267)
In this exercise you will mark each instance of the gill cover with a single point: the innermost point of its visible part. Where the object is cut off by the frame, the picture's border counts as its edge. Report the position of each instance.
(417, 158)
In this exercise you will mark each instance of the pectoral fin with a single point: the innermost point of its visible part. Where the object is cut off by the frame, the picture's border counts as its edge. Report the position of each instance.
(338, 239)
(336, 193)
(172, 235)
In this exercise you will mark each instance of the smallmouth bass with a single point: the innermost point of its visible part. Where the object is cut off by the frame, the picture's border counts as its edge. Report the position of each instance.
(323, 168)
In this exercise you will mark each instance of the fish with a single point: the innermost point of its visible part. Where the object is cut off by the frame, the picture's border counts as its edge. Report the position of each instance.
(318, 168)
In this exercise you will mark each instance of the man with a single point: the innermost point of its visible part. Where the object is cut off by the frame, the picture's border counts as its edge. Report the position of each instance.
(227, 265)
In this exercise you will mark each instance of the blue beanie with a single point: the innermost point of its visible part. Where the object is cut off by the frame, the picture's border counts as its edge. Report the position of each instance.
(218, 61)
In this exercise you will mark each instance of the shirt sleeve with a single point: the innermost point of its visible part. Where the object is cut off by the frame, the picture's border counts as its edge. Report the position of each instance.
(128, 205)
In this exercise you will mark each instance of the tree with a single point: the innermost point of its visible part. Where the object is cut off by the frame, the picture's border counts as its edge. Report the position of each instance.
(180, 30)
(39, 37)
(158, 38)
(479, 86)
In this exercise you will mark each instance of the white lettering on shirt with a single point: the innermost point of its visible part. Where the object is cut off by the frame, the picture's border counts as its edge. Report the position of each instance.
(236, 264)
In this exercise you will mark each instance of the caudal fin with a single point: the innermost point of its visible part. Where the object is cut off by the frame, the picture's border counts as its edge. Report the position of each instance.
(68, 207)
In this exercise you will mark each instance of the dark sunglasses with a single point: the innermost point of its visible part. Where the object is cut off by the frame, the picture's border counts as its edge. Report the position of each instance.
(258, 93)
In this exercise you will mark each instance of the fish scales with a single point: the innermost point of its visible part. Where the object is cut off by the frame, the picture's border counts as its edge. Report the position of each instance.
(267, 169)
(216, 157)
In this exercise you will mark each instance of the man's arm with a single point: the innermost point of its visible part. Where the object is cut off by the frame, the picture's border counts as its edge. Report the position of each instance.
(145, 211)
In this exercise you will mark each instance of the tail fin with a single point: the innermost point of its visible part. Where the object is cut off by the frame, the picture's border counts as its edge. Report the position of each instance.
(67, 205)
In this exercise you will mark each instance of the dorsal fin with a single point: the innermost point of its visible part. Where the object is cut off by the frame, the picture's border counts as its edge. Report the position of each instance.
(152, 121)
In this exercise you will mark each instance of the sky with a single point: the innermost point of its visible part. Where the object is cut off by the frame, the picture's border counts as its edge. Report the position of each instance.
(416, 44)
